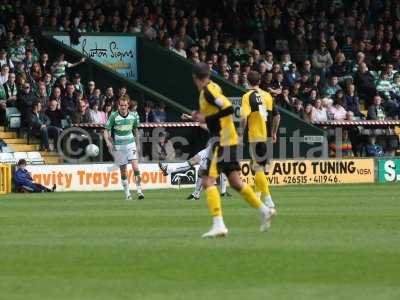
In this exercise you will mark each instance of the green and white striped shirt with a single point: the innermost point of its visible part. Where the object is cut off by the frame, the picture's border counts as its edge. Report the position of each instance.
(122, 128)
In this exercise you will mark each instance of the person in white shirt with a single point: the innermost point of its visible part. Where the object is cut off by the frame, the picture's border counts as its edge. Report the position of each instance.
(180, 49)
(5, 70)
(319, 113)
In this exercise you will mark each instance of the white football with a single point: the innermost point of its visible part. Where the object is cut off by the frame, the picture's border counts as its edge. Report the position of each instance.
(92, 150)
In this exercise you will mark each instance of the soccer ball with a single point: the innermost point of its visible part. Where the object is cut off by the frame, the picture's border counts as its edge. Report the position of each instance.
(92, 150)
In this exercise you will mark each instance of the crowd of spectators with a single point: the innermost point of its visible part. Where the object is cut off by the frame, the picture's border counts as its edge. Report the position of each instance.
(322, 60)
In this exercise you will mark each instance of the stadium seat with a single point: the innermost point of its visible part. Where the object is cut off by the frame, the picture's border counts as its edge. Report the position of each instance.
(35, 158)
(13, 117)
(20, 155)
(6, 158)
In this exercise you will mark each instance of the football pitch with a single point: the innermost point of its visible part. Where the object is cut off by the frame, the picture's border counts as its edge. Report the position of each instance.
(328, 242)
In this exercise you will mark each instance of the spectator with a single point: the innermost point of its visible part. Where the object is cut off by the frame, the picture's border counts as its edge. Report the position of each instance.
(345, 148)
(283, 100)
(351, 101)
(180, 49)
(54, 114)
(95, 97)
(109, 96)
(147, 116)
(292, 75)
(40, 127)
(298, 108)
(82, 115)
(384, 86)
(308, 112)
(11, 91)
(23, 181)
(160, 115)
(78, 84)
(107, 108)
(365, 83)
(376, 110)
(4, 73)
(97, 116)
(41, 95)
(90, 89)
(59, 67)
(332, 87)
(44, 63)
(340, 68)
(165, 150)
(25, 100)
(4, 60)
(337, 111)
(319, 113)
(372, 149)
(69, 102)
(322, 60)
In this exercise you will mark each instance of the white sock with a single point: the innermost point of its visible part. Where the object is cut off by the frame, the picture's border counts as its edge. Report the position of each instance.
(182, 167)
(218, 222)
(125, 185)
(198, 187)
(138, 185)
(222, 183)
(268, 201)
(263, 209)
(258, 195)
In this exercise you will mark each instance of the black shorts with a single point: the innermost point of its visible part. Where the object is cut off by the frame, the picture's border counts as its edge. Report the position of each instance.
(259, 153)
(222, 160)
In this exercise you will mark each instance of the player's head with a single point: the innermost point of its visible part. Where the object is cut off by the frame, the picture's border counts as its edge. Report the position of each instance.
(201, 74)
(123, 104)
(254, 78)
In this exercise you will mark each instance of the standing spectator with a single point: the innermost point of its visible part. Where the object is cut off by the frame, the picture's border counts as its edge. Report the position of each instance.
(44, 63)
(147, 117)
(78, 84)
(40, 127)
(26, 99)
(69, 102)
(365, 83)
(351, 101)
(59, 67)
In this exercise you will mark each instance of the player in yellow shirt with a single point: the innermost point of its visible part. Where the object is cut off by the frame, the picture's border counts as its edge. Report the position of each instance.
(217, 112)
(258, 111)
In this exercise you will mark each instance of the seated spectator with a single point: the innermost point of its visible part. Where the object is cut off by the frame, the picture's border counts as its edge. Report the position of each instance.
(5, 71)
(90, 89)
(107, 108)
(332, 87)
(4, 60)
(283, 100)
(308, 111)
(23, 181)
(11, 91)
(54, 114)
(160, 115)
(95, 97)
(372, 149)
(286, 62)
(298, 108)
(109, 96)
(40, 127)
(376, 110)
(337, 112)
(44, 63)
(384, 85)
(132, 106)
(319, 113)
(395, 92)
(69, 102)
(340, 68)
(322, 60)
(41, 95)
(82, 115)
(78, 84)
(351, 101)
(311, 96)
(180, 49)
(165, 149)
(97, 116)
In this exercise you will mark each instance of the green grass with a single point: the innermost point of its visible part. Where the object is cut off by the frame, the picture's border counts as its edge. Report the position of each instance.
(328, 242)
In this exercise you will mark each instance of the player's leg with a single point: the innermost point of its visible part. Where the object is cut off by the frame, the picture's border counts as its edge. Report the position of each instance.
(136, 172)
(124, 181)
(213, 198)
(259, 161)
(197, 189)
(179, 167)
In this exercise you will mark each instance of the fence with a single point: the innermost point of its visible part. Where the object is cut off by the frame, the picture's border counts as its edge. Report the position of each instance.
(5, 179)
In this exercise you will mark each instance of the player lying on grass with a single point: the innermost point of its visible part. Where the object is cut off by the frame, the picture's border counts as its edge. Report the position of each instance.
(257, 113)
(217, 112)
(120, 135)
(201, 160)
(23, 181)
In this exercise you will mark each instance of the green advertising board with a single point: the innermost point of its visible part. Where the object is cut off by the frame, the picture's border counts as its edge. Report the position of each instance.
(389, 170)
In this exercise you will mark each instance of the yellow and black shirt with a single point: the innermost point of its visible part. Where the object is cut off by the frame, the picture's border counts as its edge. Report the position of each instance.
(259, 108)
(218, 112)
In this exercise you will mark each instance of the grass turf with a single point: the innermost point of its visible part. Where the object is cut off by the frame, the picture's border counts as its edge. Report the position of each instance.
(328, 242)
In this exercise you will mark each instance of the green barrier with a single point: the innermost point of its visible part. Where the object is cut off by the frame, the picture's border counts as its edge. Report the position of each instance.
(388, 170)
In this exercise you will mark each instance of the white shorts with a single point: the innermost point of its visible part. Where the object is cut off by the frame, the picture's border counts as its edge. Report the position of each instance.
(125, 154)
(203, 154)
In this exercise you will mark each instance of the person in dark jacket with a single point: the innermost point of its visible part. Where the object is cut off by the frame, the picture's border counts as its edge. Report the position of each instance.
(25, 101)
(69, 102)
(352, 102)
(40, 125)
(365, 83)
(23, 181)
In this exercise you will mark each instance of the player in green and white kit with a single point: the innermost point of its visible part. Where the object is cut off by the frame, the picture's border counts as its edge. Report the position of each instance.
(120, 135)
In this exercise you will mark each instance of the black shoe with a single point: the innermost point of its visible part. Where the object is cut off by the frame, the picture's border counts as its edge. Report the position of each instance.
(227, 194)
(163, 168)
(140, 196)
(53, 189)
(192, 197)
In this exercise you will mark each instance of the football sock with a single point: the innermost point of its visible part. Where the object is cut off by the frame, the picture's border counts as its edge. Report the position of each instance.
(261, 183)
(138, 182)
(182, 167)
(198, 187)
(125, 185)
(214, 201)
(248, 194)
(222, 183)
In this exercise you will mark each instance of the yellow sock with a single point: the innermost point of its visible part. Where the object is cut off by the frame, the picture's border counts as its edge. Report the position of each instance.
(249, 195)
(261, 184)
(214, 201)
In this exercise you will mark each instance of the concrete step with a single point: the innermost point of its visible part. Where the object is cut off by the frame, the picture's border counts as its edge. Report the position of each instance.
(24, 147)
(52, 160)
(2, 128)
(8, 135)
(15, 141)
(48, 153)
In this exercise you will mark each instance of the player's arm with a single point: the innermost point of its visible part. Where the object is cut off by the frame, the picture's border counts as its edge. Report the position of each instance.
(276, 119)
(217, 99)
(107, 133)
